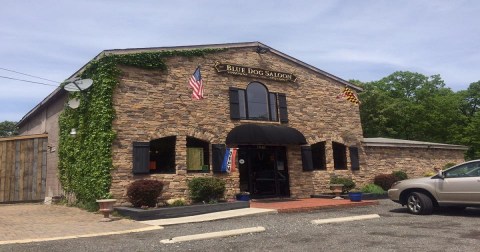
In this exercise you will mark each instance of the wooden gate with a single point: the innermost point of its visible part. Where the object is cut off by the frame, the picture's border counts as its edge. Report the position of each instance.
(23, 168)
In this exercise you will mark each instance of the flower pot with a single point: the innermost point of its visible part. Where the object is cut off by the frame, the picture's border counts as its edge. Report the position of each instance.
(337, 190)
(355, 196)
(243, 197)
(106, 207)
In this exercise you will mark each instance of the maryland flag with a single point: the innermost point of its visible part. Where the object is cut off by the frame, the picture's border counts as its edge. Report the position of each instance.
(349, 95)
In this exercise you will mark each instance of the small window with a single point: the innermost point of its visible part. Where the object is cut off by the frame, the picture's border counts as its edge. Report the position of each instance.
(162, 155)
(339, 156)
(197, 155)
(318, 156)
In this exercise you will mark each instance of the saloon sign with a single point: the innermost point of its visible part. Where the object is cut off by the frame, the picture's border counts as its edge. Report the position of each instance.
(254, 72)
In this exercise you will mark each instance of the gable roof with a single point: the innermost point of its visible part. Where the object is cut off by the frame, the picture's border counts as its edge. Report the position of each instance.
(59, 91)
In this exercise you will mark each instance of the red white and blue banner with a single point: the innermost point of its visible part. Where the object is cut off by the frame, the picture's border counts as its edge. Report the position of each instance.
(229, 160)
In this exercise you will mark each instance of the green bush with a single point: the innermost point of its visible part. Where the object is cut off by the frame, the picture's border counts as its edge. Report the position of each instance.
(206, 189)
(385, 181)
(144, 192)
(400, 175)
(372, 188)
(348, 183)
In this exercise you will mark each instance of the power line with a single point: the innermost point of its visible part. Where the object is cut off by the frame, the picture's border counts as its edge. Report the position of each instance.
(40, 83)
(28, 75)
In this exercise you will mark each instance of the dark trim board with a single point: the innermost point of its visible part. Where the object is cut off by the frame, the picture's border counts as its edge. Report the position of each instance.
(180, 211)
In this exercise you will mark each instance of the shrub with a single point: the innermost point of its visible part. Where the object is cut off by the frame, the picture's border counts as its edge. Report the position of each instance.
(385, 181)
(372, 188)
(206, 189)
(144, 192)
(400, 175)
(348, 183)
(176, 202)
(429, 174)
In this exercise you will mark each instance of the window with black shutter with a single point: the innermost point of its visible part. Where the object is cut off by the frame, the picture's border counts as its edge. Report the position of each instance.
(198, 155)
(354, 159)
(256, 103)
(162, 155)
(307, 162)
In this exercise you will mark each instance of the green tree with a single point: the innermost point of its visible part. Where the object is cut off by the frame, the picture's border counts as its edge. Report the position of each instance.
(8, 128)
(412, 106)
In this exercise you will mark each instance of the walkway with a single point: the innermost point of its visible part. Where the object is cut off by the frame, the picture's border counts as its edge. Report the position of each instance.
(310, 204)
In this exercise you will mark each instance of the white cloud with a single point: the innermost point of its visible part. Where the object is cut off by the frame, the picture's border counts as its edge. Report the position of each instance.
(364, 40)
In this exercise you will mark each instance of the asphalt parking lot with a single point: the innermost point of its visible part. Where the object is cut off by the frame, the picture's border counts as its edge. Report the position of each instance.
(395, 230)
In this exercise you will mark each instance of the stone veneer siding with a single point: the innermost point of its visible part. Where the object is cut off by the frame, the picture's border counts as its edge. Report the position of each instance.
(414, 161)
(154, 104)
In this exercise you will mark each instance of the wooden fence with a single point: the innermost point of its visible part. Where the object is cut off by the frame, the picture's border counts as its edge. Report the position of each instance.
(23, 168)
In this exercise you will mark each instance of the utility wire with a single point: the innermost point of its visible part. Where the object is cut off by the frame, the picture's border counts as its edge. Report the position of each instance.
(40, 83)
(28, 75)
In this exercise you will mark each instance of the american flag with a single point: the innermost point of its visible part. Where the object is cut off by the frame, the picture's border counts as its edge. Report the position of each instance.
(196, 84)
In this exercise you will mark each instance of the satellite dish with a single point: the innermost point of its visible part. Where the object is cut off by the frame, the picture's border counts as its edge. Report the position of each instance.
(73, 103)
(78, 85)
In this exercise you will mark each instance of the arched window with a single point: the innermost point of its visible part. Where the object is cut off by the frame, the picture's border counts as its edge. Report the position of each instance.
(257, 101)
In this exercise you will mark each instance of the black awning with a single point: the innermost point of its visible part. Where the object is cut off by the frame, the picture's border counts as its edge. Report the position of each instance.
(265, 134)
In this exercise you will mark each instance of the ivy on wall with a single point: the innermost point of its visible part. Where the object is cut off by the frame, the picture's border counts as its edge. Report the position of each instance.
(85, 161)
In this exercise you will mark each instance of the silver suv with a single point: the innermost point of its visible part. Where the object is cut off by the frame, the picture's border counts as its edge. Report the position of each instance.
(457, 187)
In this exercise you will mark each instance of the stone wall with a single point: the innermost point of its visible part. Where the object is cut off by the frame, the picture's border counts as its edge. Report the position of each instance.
(414, 161)
(153, 104)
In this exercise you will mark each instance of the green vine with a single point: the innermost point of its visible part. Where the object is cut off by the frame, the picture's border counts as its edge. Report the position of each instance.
(85, 161)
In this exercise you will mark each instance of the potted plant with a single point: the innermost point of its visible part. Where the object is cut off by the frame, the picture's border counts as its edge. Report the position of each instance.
(337, 190)
(243, 196)
(355, 196)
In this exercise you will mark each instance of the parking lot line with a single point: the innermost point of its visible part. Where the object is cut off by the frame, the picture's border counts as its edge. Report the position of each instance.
(344, 219)
(211, 235)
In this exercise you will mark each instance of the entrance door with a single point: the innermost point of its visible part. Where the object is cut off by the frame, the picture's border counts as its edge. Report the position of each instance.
(263, 171)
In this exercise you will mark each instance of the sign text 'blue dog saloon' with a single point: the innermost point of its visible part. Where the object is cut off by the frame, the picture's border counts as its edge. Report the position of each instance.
(254, 72)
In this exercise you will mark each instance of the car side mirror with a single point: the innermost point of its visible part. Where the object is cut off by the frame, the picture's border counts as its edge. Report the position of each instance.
(440, 174)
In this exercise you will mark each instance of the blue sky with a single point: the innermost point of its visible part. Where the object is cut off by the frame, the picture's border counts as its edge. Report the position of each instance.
(364, 40)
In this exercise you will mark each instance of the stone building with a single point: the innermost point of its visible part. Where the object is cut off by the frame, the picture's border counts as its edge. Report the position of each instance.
(292, 125)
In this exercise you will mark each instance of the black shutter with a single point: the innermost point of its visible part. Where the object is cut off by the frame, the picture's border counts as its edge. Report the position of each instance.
(282, 107)
(354, 158)
(218, 152)
(141, 157)
(234, 104)
(307, 161)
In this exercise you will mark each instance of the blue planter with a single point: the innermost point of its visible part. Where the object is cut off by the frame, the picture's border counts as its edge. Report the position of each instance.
(355, 196)
(242, 197)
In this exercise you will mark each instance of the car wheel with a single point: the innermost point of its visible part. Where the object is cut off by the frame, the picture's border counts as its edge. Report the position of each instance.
(419, 203)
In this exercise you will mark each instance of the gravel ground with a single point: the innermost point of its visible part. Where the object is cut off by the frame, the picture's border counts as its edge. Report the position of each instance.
(395, 230)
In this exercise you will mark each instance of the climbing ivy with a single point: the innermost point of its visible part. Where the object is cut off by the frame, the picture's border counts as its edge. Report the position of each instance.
(85, 161)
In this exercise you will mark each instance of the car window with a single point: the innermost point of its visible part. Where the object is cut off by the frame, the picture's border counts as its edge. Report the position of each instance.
(465, 170)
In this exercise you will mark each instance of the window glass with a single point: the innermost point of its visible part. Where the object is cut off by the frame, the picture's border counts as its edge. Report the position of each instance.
(318, 156)
(162, 155)
(339, 156)
(465, 170)
(197, 155)
(273, 107)
(257, 96)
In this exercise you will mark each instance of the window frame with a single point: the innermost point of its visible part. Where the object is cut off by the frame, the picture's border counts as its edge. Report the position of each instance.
(245, 110)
